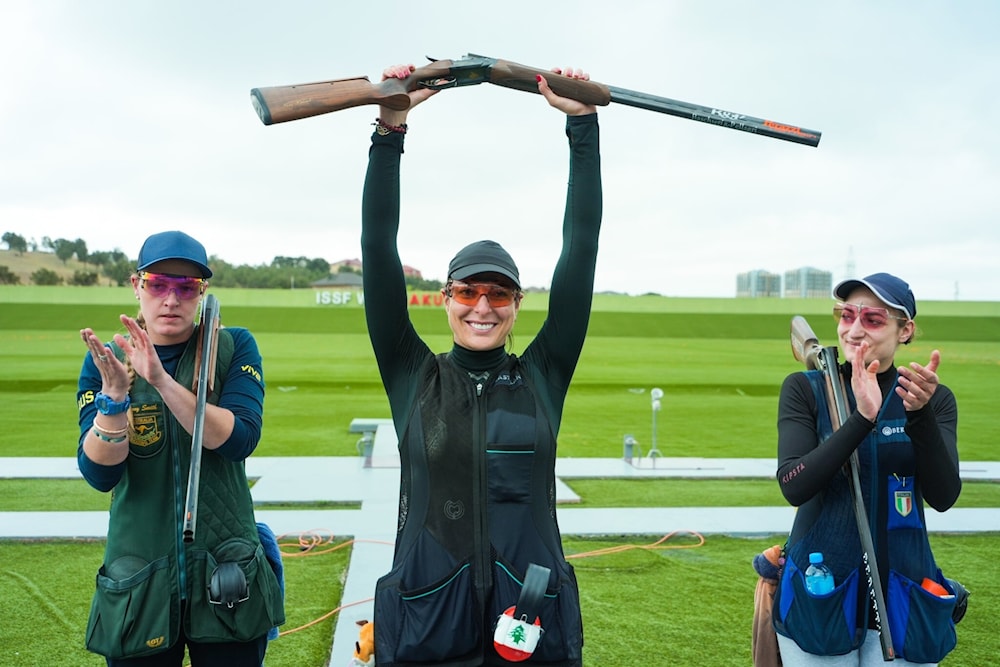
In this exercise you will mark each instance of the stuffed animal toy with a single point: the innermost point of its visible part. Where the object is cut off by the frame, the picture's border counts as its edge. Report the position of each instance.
(364, 648)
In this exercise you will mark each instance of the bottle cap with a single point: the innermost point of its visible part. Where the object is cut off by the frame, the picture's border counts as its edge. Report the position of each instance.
(816, 557)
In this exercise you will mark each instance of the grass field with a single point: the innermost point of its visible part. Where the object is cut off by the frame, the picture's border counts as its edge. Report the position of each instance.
(720, 363)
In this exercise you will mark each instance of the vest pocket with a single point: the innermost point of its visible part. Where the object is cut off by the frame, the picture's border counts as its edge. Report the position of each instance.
(428, 624)
(509, 472)
(921, 624)
(243, 620)
(560, 611)
(819, 624)
(132, 608)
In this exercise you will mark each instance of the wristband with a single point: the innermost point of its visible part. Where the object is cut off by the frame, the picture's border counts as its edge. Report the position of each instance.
(113, 441)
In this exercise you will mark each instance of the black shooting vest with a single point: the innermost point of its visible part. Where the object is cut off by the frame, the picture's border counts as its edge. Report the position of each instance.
(920, 622)
(476, 507)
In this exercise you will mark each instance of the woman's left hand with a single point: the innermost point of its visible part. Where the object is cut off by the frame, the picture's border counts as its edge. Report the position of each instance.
(566, 105)
(918, 383)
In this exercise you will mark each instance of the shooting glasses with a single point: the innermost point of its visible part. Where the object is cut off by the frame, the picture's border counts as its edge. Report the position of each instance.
(469, 294)
(872, 318)
(161, 285)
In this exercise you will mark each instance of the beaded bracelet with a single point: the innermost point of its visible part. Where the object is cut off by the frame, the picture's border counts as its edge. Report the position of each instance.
(110, 431)
(384, 129)
(105, 438)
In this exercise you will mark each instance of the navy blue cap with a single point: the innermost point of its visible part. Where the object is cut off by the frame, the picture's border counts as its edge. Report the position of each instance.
(483, 257)
(173, 245)
(892, 291)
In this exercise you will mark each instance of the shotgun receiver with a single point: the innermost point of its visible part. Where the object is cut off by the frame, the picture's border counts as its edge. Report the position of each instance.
(278, 104)
(806, 349)
(208, 344)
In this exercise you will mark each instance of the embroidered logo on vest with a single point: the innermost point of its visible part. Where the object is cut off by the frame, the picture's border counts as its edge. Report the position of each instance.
(506, 379)
(904, 502)
(454, 509)
(147, 425)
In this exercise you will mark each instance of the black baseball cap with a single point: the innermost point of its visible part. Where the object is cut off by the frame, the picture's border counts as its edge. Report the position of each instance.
(483, 257)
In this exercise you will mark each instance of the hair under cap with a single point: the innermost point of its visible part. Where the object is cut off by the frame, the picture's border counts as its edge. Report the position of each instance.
(892, 291)
(483, 257)
(173, 245)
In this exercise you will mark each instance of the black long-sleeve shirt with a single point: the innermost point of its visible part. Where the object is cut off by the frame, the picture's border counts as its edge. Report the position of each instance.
(805, 468)
(555, 349)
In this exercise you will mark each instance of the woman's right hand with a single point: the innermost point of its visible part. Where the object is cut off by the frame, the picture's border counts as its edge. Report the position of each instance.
(418, 95)
(568, 106)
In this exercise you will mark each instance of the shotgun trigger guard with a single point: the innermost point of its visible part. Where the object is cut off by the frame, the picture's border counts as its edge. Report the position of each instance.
(439, 83)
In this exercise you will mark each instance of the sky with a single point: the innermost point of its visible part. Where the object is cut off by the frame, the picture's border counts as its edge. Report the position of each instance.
(123, 118)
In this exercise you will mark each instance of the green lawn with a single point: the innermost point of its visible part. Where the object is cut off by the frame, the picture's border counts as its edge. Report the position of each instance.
(720, 363)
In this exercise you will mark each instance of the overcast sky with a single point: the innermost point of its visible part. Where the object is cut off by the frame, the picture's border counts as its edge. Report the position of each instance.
(119, 119)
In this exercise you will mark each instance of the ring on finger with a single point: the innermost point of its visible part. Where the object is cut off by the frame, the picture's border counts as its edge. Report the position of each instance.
(102, 357)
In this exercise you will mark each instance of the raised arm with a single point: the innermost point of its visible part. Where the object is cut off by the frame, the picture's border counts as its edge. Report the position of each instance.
(558, 344)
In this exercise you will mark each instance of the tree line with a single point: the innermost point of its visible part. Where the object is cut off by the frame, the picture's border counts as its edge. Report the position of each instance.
(116, 267)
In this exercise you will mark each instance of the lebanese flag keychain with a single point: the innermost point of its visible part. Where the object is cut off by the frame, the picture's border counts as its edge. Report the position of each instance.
(516, 637)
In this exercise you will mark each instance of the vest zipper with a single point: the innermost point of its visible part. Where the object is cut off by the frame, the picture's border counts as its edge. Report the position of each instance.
(481, 542)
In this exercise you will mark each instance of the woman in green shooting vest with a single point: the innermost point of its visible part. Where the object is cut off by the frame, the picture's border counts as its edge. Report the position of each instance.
(218, 597)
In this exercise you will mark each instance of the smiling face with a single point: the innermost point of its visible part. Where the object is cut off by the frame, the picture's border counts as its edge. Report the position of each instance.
(169, 294)
(884, 330)
(481, 310)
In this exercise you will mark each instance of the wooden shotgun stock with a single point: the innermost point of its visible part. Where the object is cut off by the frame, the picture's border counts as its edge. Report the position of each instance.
(806, 349)
(279, 104)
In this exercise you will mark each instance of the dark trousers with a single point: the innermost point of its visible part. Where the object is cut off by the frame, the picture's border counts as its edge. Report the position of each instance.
(231, 654)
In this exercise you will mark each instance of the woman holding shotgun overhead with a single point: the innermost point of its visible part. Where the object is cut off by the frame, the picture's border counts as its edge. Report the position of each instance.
(902, 423)
(156, 595)
(478, 563)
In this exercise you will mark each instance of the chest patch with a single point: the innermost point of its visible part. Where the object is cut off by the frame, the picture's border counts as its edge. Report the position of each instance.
(147, 425)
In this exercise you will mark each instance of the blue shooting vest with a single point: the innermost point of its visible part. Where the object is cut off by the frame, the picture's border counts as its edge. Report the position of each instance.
(835, 624)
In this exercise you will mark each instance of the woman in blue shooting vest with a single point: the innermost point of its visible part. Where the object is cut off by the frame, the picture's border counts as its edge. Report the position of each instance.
(477, 426)
(902, 424)
(218, 596)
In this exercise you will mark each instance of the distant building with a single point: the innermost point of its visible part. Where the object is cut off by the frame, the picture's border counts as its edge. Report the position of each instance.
(355, 266)
(348, 264)
(808, 283)
(758, 283)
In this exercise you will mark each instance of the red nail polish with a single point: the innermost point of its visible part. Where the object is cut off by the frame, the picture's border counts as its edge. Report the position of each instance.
(538, 77)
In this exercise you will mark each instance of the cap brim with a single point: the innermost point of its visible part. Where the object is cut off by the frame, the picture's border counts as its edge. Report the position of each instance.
(844, 289)
(205, 271)
(475, 269)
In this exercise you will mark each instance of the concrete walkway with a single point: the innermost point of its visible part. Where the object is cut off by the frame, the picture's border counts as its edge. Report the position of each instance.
(373, 481)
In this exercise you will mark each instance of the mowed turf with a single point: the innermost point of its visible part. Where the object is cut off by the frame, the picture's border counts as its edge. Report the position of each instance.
(720, 363)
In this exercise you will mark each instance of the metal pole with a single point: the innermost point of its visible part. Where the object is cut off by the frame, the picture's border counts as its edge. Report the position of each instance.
(655, 395)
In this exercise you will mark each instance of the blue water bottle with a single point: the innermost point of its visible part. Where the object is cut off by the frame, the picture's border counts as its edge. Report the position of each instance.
(819, 578)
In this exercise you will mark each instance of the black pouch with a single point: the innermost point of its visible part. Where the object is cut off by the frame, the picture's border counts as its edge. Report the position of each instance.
(228, 585)
(131, 613)
(429, 624)
(961, 600)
